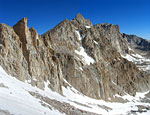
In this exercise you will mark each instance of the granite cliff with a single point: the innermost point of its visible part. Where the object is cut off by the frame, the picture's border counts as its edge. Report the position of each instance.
(89, 57)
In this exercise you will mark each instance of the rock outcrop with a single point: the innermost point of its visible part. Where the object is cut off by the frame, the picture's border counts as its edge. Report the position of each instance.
(24, 55)
(86, 56)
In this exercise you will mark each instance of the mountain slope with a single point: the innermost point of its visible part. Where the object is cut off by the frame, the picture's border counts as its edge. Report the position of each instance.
(32, 100)
(93, 59)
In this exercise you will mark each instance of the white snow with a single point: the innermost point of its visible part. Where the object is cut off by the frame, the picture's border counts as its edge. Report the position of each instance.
(95, 42)
(79, 36)
(130, 48)
(142, 62)
(88, 26)
(135, 58)
(17, 100)
(81, 68)
(87, 59)
(128, 57)
(117, 108)
(137, 55)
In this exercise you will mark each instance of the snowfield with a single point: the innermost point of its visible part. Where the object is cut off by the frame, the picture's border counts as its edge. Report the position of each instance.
(16, 99)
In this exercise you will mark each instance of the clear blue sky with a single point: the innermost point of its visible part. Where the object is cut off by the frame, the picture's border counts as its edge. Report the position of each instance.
(132, 16)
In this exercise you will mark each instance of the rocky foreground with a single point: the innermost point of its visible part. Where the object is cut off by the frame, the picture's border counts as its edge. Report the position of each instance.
(95, 60)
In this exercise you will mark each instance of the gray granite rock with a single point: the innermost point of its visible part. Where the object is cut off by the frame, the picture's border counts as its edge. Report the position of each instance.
(52, 57)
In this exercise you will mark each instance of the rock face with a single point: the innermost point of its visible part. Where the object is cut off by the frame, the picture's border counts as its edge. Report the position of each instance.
(24, 55)
(137, 42)
(86, 56)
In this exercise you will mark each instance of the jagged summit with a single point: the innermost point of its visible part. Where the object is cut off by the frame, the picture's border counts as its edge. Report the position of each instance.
(79, 20)
(21, 27)
(59, 25)
(21, 22)
(79, 17)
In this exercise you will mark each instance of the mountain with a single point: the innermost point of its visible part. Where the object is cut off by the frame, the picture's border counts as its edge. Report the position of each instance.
(80, 63)
(137, 42)
(141, 51)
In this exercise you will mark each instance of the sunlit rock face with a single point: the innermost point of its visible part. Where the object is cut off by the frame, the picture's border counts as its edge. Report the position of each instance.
(24, 55)
(88, 56)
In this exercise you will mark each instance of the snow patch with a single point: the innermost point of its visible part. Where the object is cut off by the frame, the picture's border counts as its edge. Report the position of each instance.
(79, 36)
(87, 59)
(130, 48)
(141, 62)
(81, 68)
(95, 42)
(88, 26)
(128, 57)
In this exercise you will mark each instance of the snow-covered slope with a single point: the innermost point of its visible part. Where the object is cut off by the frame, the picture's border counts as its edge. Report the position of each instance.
(142, 62)
(17, 98)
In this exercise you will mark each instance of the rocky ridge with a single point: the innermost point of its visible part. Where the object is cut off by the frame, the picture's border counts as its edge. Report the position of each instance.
(139, 52)
(138, 43)
(85, 55)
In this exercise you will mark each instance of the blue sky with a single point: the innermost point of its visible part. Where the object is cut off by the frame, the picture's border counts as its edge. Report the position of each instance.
(132, 16)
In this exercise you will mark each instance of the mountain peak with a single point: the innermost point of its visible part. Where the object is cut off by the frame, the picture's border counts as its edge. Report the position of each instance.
(21, 29)
(80, 20)
(23, 21)
(79, 16)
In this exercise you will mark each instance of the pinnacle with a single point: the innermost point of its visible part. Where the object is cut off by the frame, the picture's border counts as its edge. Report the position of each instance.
(23, 20)
(79, 16)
